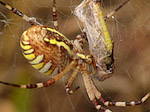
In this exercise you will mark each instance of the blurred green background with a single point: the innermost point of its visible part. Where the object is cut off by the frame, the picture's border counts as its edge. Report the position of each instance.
(130, 30)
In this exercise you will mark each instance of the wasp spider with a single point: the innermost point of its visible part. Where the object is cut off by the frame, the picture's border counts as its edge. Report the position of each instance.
(50, 52)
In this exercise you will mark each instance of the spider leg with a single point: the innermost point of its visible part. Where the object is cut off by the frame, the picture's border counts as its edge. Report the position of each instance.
(82, 38)
(71, 79)
(120, 104)
(114, 11)
(55, 15)
(124, 104)
(47, 83)
(98, 95)
(90, 88)
(95, 95)
(79, 42)
(30, 20)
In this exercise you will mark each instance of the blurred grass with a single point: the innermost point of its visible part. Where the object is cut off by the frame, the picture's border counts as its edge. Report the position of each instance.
(24, 99)
(131, 33)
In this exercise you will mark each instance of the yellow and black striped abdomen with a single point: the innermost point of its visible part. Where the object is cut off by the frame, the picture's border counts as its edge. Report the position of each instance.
(46, 49)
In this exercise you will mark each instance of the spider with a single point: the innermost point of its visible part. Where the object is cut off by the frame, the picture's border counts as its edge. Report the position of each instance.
(50, 52)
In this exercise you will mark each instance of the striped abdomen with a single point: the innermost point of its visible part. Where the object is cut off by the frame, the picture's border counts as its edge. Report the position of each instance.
(46, 49)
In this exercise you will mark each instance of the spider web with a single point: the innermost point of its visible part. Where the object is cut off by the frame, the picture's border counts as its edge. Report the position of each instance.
(130, 81)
